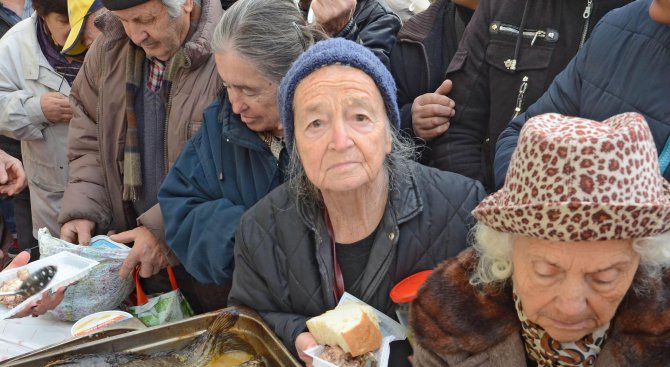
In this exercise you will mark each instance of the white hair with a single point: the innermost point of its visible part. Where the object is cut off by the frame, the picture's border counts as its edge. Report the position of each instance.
(494, 252)
(174, 6)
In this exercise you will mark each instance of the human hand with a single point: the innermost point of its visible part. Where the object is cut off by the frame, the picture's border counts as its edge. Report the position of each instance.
(12, 175)
(49, 300)
(146, 252)
(333, 15)
(56, 107)
(303, 342)
(77, 231)
(431, 112)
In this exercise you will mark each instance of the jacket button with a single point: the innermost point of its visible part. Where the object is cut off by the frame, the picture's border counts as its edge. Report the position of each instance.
(391, 236)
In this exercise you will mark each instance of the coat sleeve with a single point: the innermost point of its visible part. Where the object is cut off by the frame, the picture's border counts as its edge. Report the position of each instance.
(21, 115)
(250, 287)
(200, 223)
(376, 29)
(406, 80)
(460, 148)
(563, 96)
(86, 196)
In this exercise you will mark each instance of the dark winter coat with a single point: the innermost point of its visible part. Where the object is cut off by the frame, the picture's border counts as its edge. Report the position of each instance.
(456, 325)
(426, 43)
(283, 257)
(222, 171)
(624, 67)
(488, 89)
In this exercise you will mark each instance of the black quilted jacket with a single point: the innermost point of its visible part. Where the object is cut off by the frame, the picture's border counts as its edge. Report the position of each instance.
(283, 260)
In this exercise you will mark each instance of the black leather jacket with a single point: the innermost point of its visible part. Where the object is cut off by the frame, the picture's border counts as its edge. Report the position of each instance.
(498, 72)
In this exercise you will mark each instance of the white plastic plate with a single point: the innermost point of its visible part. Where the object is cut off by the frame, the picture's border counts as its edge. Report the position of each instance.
(71, 268)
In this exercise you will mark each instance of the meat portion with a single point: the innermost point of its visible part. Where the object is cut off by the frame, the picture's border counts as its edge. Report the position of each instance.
(12, 285)
(339, 357)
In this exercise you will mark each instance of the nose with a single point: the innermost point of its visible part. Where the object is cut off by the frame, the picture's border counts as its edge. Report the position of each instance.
(340, 138)
(572, 298)
(236, 100)
(136, 34)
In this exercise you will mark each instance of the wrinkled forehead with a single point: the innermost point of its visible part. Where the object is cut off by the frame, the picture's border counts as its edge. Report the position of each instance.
(348, 82)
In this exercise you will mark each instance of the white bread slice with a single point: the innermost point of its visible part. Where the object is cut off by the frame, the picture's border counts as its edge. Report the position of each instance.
(351, 326)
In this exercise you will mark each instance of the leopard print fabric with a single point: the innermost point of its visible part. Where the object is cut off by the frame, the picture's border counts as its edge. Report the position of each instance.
(573, 179)
(547, 352)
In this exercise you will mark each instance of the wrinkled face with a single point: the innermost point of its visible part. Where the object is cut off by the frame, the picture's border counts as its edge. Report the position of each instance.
(571, 289)
(150, 26)
(341, 128)
(58, 26)
(252, 96)
(91, 32)
(659, 11)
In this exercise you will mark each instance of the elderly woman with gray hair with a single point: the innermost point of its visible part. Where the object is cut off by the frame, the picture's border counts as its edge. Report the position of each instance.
(571, 260)
(238, 156)
(357, 215)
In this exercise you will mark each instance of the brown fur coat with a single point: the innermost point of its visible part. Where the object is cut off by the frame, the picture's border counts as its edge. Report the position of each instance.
(455, 324)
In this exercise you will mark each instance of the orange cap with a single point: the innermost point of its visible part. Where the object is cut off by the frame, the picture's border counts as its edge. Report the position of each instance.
(405, 290)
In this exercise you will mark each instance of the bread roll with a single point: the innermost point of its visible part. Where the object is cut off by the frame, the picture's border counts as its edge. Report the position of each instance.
(351, 326)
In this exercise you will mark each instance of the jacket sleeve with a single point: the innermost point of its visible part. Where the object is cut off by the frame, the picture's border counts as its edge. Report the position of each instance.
(460, 148)
(562, 97)
(250, 288)
(200, 223)
(85, 196)
(21, 115)
(375, 28)
(407, 81)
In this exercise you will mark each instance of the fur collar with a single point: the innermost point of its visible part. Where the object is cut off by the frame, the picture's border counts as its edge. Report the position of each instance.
(449, 316)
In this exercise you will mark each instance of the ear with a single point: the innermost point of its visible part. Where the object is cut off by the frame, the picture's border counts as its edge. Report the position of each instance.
(389, 141)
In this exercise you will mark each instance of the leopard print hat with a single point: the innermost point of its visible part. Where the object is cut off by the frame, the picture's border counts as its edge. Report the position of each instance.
(573, 179)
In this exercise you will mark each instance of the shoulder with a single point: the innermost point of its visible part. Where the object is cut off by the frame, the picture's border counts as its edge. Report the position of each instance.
(452, 186)
(419, 26)
(279, 201)
(632, 18)
(372, 10)
(451, 316)
(18, 31)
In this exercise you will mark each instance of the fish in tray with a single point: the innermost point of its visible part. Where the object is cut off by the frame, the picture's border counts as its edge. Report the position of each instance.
(219, 346)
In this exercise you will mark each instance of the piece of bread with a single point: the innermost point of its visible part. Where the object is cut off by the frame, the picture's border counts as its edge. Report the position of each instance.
(351, 326)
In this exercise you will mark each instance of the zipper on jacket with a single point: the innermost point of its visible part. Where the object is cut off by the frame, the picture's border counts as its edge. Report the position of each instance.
(520, 97)
(548, 35)
(587, 16)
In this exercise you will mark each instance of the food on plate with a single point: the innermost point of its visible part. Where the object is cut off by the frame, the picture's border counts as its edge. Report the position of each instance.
(10, 286)
(207, 350)
(351, 326)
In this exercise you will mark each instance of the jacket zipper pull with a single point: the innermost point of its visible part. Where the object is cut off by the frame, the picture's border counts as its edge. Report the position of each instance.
(587, 10)
(540, 34)
(519, 97)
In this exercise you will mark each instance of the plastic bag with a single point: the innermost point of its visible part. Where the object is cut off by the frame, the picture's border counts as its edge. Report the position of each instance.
(102, 289)
(161, 308)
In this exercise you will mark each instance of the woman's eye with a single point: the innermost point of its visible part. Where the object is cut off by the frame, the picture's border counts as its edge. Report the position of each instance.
(360, 117)
(248, 92)
(315, 124)
(606, 277)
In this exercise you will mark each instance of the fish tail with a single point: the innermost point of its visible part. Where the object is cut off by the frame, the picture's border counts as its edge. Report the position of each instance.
(224, 322)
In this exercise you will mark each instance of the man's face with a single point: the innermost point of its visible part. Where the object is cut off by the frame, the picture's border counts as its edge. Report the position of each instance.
(150, 26)
(659, 11)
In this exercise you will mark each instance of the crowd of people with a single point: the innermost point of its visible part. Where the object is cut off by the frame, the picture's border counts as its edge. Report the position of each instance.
(278, 153)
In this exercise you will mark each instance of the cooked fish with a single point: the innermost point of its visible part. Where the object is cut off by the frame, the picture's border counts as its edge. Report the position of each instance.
(217, 341)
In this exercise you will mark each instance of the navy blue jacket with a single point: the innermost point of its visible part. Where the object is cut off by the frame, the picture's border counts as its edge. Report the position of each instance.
(623, 67)
(221, 172)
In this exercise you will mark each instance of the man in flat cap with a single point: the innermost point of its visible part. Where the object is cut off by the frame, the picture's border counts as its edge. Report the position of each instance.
(139, 97)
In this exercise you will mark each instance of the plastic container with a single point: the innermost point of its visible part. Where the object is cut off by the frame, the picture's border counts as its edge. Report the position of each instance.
(98, 321)
(402, 295)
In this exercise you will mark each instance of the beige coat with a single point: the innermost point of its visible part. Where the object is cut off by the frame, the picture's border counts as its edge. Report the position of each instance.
(98, 127)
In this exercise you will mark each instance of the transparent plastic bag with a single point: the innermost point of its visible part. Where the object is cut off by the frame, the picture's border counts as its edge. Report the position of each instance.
(102, 289)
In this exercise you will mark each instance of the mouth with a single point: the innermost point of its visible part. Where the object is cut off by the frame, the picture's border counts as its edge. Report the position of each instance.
(573, 325)
(342, 165)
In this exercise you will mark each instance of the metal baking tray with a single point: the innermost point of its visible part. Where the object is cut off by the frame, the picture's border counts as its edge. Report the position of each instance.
(171, 337)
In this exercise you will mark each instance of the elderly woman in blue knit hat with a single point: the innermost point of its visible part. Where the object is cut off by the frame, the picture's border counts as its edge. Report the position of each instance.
(356, 215)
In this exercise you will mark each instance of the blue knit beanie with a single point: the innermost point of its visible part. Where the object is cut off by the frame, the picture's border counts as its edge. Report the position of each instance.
(329, 52)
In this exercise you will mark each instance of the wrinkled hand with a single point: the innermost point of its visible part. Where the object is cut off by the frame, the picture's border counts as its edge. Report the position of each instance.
(77, 231)
(146, 252)
(39, 307)
(333, 15)
(56, 107)
(431, 112)
(12, 175)
(303, 342)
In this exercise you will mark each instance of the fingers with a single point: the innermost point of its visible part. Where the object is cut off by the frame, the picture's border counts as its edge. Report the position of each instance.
(433, 99)
(83, 233)
(4, 177)
(20, 260)
(444, 88)
(129, 264)
(432, 133)
(124, 237)
(48, 301)
(68, 232)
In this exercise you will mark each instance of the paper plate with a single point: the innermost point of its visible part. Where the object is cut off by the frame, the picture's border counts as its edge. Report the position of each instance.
(97, 321)
(71, 268)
